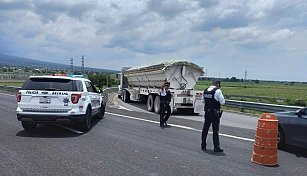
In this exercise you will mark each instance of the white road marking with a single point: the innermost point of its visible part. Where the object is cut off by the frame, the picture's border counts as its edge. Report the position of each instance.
(121, 107)
(180, 126)
(118, 105)
(237, 137)
(124, 108)
(69, 129)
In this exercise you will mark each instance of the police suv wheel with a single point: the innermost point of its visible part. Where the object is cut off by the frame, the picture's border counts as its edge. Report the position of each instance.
(86, 124)
(102, 111)
(29, 125)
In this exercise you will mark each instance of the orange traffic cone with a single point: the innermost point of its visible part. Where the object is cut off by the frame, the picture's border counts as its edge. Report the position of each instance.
(265, 146)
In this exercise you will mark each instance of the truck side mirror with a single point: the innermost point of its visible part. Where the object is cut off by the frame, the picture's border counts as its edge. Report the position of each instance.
(118, 75)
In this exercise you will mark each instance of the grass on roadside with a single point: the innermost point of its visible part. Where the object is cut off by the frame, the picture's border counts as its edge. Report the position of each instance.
(291, 93)
(245, 111)
(18, 84)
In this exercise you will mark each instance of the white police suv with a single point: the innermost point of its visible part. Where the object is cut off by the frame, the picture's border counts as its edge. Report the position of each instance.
(59, 99)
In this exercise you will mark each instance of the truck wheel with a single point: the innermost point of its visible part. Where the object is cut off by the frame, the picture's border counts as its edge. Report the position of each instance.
(122, 95)
(150, 103)
(157, 105)
(86, 124)
(126, 96)
(29, 125)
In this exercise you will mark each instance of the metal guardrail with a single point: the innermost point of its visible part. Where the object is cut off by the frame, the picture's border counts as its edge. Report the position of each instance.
(9, 88)
(255, 97)
(229, 103)
(260, 106)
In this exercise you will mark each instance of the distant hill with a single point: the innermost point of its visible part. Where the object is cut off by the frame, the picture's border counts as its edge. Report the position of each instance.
(25, 62)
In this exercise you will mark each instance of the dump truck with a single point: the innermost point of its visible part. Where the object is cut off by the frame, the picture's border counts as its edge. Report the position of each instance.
(143, 84)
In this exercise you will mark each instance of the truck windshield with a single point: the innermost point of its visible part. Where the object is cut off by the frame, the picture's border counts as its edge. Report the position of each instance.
(53, 84)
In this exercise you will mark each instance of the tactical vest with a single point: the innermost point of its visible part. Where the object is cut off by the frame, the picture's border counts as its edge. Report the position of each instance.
(167, 97)
(210, 102)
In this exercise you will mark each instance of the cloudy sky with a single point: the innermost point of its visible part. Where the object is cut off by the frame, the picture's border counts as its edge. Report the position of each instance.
(266, 38)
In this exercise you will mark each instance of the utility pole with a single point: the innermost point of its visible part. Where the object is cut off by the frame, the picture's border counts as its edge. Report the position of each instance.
(82, 64)
(302, 90)
(72, 65)
(245, 76)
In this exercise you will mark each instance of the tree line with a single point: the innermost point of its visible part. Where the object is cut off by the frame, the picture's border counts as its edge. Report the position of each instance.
(232, 79)
(102, 80)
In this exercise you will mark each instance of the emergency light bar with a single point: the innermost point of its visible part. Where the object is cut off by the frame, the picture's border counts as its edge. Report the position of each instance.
(76, 76)
(59, 74)
(69, 75)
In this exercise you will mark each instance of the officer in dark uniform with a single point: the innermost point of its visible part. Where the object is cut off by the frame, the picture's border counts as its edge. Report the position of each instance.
(165, 99)
(213, 98)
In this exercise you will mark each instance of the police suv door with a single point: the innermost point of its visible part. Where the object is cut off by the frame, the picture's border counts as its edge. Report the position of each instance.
(94, 97)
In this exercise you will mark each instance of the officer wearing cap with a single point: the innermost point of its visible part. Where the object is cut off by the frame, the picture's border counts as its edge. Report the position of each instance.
(165, 99)
(213, 98)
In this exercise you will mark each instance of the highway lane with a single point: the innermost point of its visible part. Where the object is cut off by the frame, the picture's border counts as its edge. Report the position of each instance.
(229, 118)
(129, 143)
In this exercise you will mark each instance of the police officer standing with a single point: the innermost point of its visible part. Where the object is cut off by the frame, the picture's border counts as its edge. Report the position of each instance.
(213, 98)
(165, 99)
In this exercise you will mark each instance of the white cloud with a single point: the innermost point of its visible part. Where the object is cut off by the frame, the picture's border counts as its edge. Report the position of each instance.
(280, 35)
(115, 33)
(255, 37)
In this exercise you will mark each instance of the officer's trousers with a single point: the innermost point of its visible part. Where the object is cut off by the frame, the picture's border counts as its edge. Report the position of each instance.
(165, 112)
(211, 118)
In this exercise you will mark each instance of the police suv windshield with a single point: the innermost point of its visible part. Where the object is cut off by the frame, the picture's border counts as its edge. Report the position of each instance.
(53, 84)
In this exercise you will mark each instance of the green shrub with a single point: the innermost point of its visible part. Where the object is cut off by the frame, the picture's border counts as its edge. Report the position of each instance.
(296, 102)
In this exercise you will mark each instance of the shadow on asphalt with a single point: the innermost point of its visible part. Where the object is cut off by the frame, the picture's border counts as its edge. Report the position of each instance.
(299, 152)
(211, 152)
(143, 106)
(53, 131)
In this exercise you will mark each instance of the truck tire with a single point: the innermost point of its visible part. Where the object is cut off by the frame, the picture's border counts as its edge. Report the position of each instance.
(122, 95)
(29, 125)
(126, 96)
(157, 105)
(150, 103)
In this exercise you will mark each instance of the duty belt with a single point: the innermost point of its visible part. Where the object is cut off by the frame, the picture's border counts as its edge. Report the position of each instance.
(213, 110)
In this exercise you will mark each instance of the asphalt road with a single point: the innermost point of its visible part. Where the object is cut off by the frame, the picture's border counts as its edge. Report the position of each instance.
(130, 142)
(229, 119)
